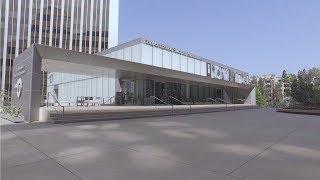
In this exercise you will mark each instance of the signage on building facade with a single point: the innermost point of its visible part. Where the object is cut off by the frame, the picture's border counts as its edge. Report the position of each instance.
(20, 70)
(208, 69)
(18, 87)
(213, 70)
(161, 46)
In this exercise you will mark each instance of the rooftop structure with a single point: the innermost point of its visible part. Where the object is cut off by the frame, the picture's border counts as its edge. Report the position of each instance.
(149, 52)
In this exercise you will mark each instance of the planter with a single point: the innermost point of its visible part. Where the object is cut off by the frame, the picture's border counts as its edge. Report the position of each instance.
(18, 119)
(300, 111)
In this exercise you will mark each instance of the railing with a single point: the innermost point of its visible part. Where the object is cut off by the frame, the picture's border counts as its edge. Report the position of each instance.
(183, 103)
(110, 99)
(241, 100)
(163, 102)
(56, 101)
(213, 100)
(221, 100)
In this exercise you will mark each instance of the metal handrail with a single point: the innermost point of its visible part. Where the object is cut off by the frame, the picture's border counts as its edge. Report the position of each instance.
(154, 97)
(180, 101)
(54, 98)
(212, 99)
(163, 103)
(241, 99)
(109, 99)
(224, 102)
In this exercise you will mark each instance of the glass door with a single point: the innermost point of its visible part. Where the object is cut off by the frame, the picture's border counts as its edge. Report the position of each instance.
(160, 91)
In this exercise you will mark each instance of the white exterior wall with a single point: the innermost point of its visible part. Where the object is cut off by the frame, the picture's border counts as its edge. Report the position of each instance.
(251, 98)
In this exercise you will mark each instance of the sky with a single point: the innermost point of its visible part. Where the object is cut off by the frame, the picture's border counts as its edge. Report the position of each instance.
(257, 36)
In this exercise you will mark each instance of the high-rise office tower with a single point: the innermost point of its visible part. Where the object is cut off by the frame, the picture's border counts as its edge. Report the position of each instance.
(87, 26)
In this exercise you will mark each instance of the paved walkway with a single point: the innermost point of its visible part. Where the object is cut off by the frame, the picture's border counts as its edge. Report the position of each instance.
(247, 144)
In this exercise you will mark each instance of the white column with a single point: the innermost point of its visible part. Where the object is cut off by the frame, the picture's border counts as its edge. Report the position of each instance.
(41, 21)
(61, 24)
(81, 25)
(0, 14)
(1, 45)
(5, 40)
(251, 98)
(29, 23)
(18, 29)
(51, 22)
(91, 26)
(100, 25)
(113, 32)
(71, 25)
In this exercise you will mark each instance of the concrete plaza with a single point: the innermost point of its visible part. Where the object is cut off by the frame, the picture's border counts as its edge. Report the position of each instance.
(250, 144)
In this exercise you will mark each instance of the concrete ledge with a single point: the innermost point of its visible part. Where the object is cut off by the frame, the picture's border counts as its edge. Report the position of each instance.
(104, 109)
(80, 114)
(300, 111)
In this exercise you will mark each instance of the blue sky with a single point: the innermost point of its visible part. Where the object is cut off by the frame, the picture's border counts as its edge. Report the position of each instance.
(257, 36)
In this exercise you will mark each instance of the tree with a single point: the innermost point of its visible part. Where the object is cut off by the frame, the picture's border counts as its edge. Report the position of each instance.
(302, 89)
(312, 73)
(277, 95)
(316, 96)
(260, 85)
(254, 80)
(260, 98)
(285, 77)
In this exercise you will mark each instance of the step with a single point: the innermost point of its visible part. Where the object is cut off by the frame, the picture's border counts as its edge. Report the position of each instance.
(104, 116)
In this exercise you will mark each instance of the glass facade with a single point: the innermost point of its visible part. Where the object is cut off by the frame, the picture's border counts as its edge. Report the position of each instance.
(150, 53)
(146, 54)
(79, 25)
(135, 89)
(69, 88)
(141, 88)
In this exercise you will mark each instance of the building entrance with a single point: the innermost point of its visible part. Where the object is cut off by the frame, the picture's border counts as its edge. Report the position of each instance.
(160, 90)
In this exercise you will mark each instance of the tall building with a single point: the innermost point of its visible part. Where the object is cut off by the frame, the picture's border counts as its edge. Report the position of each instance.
(275, 88)
(88, 26)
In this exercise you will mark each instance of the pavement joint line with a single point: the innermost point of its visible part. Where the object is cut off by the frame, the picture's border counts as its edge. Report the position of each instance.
(280, 139)
(189, 164)
(264, 150)
(22, 164)
(61, 165)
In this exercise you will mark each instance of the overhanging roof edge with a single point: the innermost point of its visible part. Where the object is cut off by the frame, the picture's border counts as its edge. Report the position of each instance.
(58, 54)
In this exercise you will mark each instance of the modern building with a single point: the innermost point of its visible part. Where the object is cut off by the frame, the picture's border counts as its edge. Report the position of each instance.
(66, 52)
(140, 72)
(138, 89)
(88, 26)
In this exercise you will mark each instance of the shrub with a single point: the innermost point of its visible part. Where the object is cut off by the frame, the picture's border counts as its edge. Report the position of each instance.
(6, 108)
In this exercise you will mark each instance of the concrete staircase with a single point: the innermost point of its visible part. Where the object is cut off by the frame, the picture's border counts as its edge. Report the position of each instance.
(104, 114)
